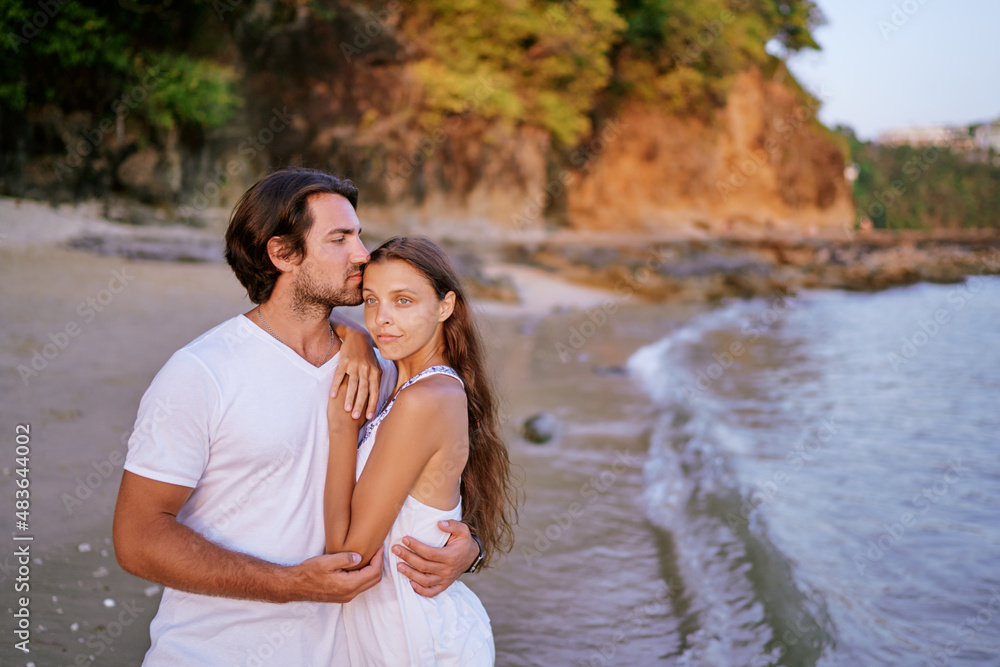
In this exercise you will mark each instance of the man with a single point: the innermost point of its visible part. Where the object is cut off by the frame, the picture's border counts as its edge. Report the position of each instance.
(221, 500)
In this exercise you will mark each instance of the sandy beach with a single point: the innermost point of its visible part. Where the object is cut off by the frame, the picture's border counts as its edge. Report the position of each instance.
(82, 336)
(620, 557)
(743, 322)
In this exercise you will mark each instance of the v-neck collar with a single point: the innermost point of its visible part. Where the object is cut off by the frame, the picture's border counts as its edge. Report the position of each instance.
(316, 371)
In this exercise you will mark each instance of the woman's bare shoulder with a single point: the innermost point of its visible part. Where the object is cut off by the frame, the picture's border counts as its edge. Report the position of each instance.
(432, 400)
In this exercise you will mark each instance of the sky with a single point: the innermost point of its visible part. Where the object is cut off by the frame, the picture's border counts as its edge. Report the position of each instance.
(888, 64)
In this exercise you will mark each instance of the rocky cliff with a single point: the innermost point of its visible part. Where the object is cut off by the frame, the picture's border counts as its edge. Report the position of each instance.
(761, 166)
(349, 96)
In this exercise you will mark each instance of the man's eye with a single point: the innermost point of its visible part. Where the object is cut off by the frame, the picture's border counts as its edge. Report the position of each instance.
(340, 240)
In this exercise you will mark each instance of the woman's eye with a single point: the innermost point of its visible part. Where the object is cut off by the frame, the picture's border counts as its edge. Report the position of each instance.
(403, 300)
(370, 301)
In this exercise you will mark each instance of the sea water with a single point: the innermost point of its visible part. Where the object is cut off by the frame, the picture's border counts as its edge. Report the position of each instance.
(824, 476)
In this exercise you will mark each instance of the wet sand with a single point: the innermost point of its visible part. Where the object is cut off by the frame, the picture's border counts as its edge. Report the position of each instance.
(82, 335)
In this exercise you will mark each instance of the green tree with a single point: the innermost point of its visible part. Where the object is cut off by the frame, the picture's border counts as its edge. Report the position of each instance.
(83, 56)
(904, 187)
(524, 60)
(682, 54)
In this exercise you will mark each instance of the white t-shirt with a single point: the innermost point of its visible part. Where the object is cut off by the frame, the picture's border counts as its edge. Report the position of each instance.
(241, 418)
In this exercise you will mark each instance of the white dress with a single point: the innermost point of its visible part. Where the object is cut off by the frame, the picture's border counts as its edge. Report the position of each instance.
(390, 625)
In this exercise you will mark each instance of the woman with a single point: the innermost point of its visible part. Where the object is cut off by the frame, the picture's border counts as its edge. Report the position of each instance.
(434, 453)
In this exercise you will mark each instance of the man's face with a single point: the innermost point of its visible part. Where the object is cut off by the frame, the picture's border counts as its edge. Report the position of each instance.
(330, 273)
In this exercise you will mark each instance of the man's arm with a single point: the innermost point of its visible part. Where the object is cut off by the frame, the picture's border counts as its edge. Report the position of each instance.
(150, 543)
(431, 569)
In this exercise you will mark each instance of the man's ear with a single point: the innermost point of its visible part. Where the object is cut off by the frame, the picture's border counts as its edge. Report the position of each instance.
(278, 253)
(447, 306)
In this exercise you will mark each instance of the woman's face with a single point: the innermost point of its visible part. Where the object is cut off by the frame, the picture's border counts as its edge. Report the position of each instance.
(402, 311)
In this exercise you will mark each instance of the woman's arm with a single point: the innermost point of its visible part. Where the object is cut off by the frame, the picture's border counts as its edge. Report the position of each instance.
(358, 363)
(426, 418)
(340, 471)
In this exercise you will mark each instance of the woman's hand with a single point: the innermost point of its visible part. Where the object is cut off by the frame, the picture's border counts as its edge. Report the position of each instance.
(361, 369)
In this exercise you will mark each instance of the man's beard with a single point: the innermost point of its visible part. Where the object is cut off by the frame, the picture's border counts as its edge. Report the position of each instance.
(309, 294)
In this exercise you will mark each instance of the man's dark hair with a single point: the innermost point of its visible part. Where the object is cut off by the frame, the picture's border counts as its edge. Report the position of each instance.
(276, 205)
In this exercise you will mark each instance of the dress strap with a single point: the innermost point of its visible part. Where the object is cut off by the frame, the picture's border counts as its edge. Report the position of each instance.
(433, 370)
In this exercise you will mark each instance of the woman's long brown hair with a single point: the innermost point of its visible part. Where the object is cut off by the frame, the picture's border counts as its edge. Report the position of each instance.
(489, 498)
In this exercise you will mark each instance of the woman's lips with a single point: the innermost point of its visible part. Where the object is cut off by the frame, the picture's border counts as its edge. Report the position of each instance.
(385, 338)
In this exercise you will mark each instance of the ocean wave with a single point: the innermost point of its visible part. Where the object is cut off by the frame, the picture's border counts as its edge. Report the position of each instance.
(741, 604)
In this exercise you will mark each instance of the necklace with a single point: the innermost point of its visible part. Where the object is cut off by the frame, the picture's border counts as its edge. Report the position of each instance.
(333, 338)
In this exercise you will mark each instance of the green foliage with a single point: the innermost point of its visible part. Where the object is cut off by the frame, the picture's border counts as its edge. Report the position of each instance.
(682, 54)
(85, 55)
(556, 65)
(524, 60)
(200, 92)
(546, 63)
(902, 187)
(792, 23)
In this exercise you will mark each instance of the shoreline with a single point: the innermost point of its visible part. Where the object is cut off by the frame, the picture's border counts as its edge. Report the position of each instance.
(500, 266)
(707, 270)
(82, 403)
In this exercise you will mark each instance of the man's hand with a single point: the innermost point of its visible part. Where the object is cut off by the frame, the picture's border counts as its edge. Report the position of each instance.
(341, 421)
(431, 570)
(150, 543)
(357, 362)
(325, 579)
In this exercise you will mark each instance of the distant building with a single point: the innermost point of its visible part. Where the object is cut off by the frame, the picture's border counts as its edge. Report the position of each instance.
(956, 138)
(987, 136)
(959, 139)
